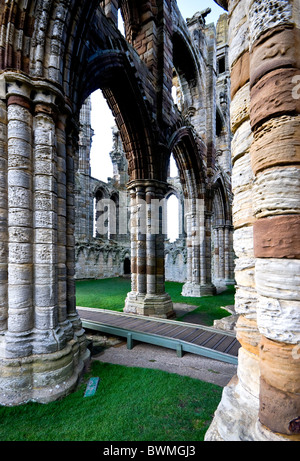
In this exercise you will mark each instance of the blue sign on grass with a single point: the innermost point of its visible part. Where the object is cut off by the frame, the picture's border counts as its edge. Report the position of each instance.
(91, 387)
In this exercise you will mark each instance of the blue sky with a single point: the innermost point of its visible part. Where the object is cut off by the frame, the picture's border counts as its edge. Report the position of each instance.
(101, 167)
(189, 7)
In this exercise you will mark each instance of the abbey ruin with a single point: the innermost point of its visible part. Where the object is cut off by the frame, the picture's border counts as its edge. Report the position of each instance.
(102, 225)
(233, 131)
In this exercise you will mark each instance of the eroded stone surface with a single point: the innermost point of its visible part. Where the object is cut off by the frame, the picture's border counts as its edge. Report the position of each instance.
(276, 143)
(277, 236)
(273, 96)
(265, 15)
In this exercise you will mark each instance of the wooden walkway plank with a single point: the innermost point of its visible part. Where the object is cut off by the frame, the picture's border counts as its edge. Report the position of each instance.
(180, 336)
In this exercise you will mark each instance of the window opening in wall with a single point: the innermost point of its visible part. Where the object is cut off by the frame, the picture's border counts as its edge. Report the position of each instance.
(102, 122)
(173, 170)
(102, 216)
(177, 93)
(94, 218)
(172, 218)
(221, 65)
(219, 124)
(127, 266)
(121, 26)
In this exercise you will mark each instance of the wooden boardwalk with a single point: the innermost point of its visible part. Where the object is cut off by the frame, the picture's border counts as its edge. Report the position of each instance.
(180, 336)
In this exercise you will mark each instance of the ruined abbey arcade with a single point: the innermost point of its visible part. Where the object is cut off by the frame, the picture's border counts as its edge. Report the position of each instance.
(224, 102)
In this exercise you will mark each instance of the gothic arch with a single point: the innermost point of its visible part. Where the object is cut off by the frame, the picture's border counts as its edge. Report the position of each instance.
(101, 190)
(79, 50)
(189, 153)
(220, 190)
(187, 66)
(112, 72)
(53, 54)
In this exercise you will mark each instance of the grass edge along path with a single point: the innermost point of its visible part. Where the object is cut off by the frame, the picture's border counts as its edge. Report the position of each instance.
(130, 404)
(111, 293)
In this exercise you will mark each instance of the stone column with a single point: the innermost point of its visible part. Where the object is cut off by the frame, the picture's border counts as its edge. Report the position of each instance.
(69, 313)
(216, 252)
(45, 230)
(20, 227)
(198, 243)
(43, 350)
(208, 251)
(264, 403)
(221, 253)
(228, 255)
(241, 396)
(133, 242)
(275, 156)
(148, 296)
(3, 218)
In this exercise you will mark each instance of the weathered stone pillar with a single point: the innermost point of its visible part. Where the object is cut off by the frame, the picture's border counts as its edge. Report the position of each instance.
(43, 349)
(20, 227)
(198, 246)
(228, 255)
(263, 401)
(275, 156)
(147, 296)
(46, 250)
(221, 253)
(208, 251)
(3, 218)
(69, 313)
(240, 398)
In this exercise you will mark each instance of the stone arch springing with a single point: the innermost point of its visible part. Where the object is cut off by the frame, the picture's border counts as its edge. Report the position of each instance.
(136, 14)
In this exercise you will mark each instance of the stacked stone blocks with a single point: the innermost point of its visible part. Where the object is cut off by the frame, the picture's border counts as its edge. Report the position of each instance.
(263, 38)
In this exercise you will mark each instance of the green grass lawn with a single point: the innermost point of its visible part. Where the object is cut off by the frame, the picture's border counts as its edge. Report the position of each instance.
(131, 404)
(104, 293)
(111, 294)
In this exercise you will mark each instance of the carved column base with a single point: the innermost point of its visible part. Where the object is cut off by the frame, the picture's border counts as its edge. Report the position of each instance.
(149, 305)
(42, 378)
(196, 290)
(236, 418)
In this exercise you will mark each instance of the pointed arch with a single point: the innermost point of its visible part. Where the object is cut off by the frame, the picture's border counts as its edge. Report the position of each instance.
(189, 153)
(220, 189)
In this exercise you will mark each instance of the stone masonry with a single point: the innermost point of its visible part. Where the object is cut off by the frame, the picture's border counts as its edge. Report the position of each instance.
(103, 254)
(264, 400)
(53, 55)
